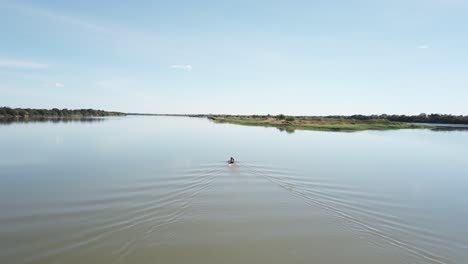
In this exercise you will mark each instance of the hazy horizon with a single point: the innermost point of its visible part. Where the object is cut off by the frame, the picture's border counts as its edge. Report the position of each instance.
(241, 114)
(236, 57)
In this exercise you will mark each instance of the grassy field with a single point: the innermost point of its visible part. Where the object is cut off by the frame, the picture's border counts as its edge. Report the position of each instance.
(314, 123)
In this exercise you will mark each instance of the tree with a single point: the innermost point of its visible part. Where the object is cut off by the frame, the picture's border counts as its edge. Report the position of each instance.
(280, 117)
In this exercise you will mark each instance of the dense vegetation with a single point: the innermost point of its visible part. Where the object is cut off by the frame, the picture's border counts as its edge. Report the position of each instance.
(6, 112)
(422, 118)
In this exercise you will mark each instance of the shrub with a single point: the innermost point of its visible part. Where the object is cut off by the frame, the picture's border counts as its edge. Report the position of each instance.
(281, 117)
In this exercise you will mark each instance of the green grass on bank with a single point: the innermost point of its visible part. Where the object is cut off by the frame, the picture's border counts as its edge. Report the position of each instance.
(315, 123)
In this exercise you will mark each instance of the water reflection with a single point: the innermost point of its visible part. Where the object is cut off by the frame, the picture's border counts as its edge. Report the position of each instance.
(438, 128)
(288, 130)
(449, 129)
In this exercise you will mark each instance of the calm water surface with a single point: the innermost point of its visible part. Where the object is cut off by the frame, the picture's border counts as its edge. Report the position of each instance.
(158, 190)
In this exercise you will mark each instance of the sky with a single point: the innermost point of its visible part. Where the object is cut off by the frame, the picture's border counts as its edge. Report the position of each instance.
(236, 57)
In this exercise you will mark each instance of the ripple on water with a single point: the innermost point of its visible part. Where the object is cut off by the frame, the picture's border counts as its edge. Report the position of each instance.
(359, 210)
(135, 210)
(119, 218)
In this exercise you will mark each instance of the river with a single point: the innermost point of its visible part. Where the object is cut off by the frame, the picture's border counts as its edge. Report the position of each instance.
(144, 189)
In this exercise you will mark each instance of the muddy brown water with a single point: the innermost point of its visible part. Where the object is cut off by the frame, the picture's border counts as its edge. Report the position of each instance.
(158, 190)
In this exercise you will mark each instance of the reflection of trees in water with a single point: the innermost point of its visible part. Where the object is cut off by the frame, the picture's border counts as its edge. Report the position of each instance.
(9, 121)
(288, 130)
(449, 129)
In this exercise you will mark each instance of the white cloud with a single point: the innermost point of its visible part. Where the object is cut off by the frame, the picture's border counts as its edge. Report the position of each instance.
(59, 85)
(423, 47)
(186, 67)
(22, 64)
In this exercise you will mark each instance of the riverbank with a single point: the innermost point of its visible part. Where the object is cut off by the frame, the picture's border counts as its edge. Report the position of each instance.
(290, 123)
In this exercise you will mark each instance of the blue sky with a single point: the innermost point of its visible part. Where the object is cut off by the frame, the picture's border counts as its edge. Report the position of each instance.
(292, 57)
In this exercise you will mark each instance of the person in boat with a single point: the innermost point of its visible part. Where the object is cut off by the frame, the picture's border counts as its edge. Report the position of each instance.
(231, 160)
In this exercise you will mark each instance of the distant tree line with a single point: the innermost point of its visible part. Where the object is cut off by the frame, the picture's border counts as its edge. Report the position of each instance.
(421, 118)
(7, 112)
